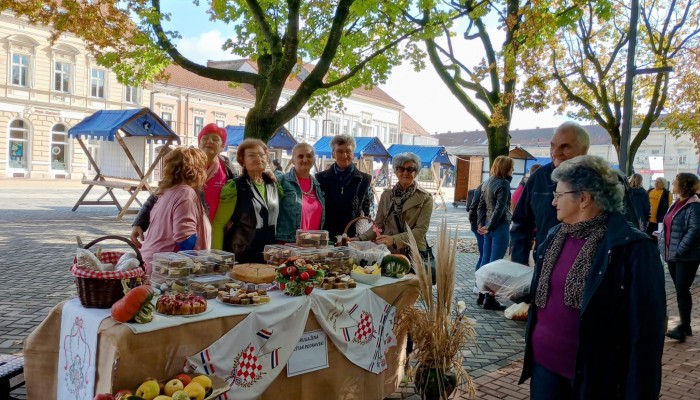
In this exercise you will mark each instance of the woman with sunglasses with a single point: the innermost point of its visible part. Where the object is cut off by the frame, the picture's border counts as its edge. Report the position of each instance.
(404, 204)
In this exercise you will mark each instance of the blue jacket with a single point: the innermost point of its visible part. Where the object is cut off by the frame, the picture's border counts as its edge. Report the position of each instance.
(684, 245)
(642, 207)
(622, 318)
(289, 219)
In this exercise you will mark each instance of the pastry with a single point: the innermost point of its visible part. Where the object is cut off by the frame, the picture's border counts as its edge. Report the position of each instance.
(253, 273)
(181, 304)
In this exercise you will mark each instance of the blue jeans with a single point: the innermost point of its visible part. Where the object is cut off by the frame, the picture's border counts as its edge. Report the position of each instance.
(495, 244)
(548, 385)
(479, 245)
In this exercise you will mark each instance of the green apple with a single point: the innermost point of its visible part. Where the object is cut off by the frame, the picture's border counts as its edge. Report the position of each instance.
(173, 386)
(180, 395)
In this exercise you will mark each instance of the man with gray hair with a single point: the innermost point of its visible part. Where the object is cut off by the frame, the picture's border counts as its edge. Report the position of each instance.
(534, 213)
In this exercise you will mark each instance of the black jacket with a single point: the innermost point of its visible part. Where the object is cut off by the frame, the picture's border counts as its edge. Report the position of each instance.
(642, 207)
(684, 245)
(345, 200)
(473, 199)
(494, 204)
(143, 218)
(622, 319)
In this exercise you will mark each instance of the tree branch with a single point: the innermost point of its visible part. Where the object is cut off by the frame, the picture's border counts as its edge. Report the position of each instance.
(259, 15)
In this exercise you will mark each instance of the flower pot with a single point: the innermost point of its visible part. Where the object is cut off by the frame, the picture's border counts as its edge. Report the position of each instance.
(435, 383)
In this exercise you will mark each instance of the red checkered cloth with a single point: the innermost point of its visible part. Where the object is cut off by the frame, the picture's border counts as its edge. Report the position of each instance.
(106, 257)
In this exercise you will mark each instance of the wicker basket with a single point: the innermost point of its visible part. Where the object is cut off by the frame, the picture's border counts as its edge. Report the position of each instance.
(370, 223)
(103, 289)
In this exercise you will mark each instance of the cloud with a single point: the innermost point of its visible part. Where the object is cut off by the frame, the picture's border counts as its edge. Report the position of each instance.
(205, 46)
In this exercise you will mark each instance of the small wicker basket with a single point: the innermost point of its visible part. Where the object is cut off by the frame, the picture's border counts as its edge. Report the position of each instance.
(361, 222)
(103, 289)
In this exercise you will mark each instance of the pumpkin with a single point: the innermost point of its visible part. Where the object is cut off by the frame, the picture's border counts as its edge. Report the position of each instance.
(395, 265)
(135, 305)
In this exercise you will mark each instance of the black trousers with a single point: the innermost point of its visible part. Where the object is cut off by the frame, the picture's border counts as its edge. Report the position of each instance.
(683, 275)
(651, 228)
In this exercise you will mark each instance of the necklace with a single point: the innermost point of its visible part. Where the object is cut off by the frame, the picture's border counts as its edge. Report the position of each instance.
(307, 193)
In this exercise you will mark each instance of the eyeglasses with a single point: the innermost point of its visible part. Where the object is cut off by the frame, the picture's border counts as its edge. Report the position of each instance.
(559, 194)
(256, 156)
(211, 138)
(410, 170)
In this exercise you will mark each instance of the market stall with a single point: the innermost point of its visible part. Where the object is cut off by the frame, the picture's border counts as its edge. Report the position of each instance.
(127, 353)
(281, 142)
(434, 158)
(121, 161)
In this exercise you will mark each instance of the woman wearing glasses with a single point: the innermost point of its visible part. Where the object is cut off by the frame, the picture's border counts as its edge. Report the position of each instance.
(247, 216)
(404, 204)
(598, 312)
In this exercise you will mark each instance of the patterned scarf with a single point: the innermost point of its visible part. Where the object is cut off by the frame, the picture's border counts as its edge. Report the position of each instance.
(593, 231)
(213, 168)
(399, 195)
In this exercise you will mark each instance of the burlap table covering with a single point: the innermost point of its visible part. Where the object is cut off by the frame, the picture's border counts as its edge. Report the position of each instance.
(125, 359)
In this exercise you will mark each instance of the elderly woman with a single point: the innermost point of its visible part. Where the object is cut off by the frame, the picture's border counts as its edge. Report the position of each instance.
(178, 219)
(302, 206)
(640, 201)
(660, 199)
(679, 243)
(596, 326)
(212, 140)
(247, 217)
(404, 204)
(347, 191)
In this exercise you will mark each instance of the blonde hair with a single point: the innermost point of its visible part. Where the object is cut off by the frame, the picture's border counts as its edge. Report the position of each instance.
(501, 166)
(635, 181)
(183, 166)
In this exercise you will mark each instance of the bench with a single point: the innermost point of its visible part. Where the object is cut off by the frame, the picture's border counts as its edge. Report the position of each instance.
(109, 183)
(11, 375)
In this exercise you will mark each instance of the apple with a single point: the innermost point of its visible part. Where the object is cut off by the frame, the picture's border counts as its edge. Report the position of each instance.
(304, 276)
(104, 396)
(311, 272)
(123, 394)
(173, 386)
(180, 395)
(195, 391)
(308, 289)
(184, 378)
(292, 271)
(282, 285)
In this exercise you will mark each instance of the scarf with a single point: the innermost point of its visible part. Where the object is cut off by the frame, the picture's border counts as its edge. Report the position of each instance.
(593, 231)
(399, 195)
(213, 168)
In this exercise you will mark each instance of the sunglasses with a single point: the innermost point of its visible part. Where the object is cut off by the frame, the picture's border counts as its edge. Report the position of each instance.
(401, 170)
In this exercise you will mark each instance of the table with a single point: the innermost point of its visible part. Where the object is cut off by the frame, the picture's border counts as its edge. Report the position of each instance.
(124, 358)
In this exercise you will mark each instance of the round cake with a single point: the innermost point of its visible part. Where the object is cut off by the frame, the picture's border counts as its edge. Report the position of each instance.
(181, 304)
(254, 273)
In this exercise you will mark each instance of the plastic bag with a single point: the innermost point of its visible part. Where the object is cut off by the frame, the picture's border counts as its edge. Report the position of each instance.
(127, 262)
(369, 251)
(517, 311)
(87, 260)
(506, 279)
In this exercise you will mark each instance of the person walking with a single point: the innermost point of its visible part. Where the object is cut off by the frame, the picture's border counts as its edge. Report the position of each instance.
(640, 201)
(473, 198)
(493, 212)
(679, 243)
(597, 315)
(660, 199)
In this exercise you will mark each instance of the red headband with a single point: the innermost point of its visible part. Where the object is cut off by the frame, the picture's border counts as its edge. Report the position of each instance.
(212, 129)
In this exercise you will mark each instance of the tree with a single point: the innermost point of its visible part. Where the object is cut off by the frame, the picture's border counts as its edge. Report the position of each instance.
(588, 65)
(352, 43)
(490, 90)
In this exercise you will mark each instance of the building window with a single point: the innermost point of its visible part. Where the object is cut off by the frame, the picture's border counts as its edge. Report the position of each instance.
(17, 146)
(167, 118)
(131, 94)
(93, 146)
(97, 83)
(58, 148)
(198, 125)
(682, 159)
(240, 120)
(313, 129)
(655, 152)
(346, 126)
(20, 70)
(301, 126)
(220, 123)
(393, 134)
(61, 77)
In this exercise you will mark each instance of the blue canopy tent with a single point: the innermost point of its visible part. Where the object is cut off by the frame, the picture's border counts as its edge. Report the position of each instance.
(365, 147)
(432, 157)
(115, 125)
(282, 139)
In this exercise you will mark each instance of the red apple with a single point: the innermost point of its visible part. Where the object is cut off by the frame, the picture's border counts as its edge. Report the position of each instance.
(292, 271)
(282, 285)
(184, 378)
(311, 272)
(104, 396)
(304, 276)
(122, 394)
(308, 289)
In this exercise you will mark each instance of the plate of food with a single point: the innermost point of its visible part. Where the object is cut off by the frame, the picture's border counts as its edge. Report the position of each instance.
(207, 311)
(181, 305)
(244, 302)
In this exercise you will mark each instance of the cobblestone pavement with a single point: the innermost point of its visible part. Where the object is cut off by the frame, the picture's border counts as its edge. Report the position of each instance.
(37, 243)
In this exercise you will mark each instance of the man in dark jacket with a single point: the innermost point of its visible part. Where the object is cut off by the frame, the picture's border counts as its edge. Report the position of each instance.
(534, 211)
(347, 191)
(473, 198)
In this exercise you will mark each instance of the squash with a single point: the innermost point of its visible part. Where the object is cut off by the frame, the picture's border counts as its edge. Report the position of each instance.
(135, 305)
(395, 265)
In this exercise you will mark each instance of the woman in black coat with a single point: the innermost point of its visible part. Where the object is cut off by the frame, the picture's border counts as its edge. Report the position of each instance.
(598, 312)
(679, 242)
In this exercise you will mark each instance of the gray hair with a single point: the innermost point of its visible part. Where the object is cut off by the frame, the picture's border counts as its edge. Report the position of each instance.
(594, 175)
(582, 138)
(402, 158)
(339, 140)
(302, 145)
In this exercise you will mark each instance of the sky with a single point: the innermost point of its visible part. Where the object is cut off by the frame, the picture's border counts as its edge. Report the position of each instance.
(424, 95)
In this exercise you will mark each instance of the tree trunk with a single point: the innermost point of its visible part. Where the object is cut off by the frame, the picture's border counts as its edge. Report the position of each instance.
(259, 125)
(499, 142)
